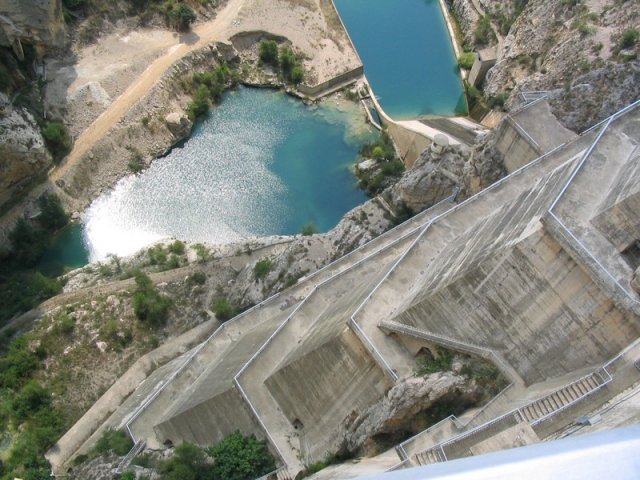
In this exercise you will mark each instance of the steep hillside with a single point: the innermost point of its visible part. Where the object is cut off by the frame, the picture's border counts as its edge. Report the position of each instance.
(584, 52)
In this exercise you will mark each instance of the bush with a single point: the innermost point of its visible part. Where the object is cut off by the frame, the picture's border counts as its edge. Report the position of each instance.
(442, 363)
(115, 441)
(269, 52)
(287, 61)
(629, 38)
(128, 475)
(182, 17)
(177, 247)
(197, 278)
(27, 244)
(52, 216)
(297, 75)
(201, 251)
(309, 229)
(148, 304)
(199, 106)
(57, 140)
(31, 399)
(223, 310)
(466, 60)
(483, 33)
(240, 458)
(262, 267)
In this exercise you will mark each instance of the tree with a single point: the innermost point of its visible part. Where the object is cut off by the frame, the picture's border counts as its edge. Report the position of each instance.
(57, 140)
(297, 75)
(309, 229)
(269, 52)
(183, 17)
(240, 458)
(27, 244)
(287, 61)
(149, 304)
(52, 216)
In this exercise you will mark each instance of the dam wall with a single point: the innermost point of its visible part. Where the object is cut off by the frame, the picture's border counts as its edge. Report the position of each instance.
(518, 273)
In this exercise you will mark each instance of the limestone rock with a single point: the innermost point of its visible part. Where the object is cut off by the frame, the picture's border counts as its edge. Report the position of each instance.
(432, 178)
(178, 124)
(37, 22)
(397, 411)
(23, 155)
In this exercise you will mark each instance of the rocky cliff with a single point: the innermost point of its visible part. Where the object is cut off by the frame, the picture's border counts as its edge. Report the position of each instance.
(23, 155)
(36, 22)
(583, 52)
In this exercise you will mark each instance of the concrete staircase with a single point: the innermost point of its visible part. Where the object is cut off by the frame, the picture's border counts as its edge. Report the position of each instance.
(532, 413)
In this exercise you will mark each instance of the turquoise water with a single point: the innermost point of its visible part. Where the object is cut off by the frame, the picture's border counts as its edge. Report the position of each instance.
(262, 163)
(407, 54)
(67, 250)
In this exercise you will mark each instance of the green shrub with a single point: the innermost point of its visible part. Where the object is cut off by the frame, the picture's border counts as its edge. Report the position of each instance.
(57, 140)
(309, 229)
(177, 247)
(466, 60)
(197, 278)
(629, 38)
(483, 34)
(32, 398)
(148, 304)
(52, 216)
(182, 17)
(115, 441)
(223, 309)
(199, 106)
(157, 255)
(268, 51)
(201, 251)
(287, 61)
(297, 75)
(442, 363)
(128, 475)
(262, 267)
(240, 458)
(27, 244)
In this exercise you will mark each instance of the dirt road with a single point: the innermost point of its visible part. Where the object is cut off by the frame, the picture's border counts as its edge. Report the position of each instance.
(203, 34)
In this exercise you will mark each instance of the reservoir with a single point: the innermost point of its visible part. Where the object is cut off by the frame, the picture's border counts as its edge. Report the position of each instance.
(407, 54)
(262, 163)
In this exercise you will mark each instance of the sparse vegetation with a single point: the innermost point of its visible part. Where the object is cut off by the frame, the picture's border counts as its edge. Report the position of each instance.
(57, 139)
(149, 304)
(441, 362)
(466, 60)
(262, 268)
(223, 309)
(268, 52)
(483, 34)
(115, 441)
(309, 229)
(388, 167)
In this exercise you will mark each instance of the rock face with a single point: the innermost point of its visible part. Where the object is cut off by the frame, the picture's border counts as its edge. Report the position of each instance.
(573, 50)
(178, 124)
(23, 155)
(37, 22)
(398, 410)
(434, 177)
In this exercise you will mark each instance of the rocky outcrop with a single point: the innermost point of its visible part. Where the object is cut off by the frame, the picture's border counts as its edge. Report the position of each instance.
(36, 22)
(23, 155)
(571, 49)
(178, 124)
(399, 411)
(434, 177)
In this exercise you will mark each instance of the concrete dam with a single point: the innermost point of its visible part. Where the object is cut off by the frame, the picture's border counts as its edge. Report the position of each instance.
(534, 274)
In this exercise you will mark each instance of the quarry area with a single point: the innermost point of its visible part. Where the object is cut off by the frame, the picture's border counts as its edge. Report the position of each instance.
(485, 299)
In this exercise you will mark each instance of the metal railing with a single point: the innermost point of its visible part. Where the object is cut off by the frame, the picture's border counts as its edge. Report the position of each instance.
(516, 415)
(124, 463)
